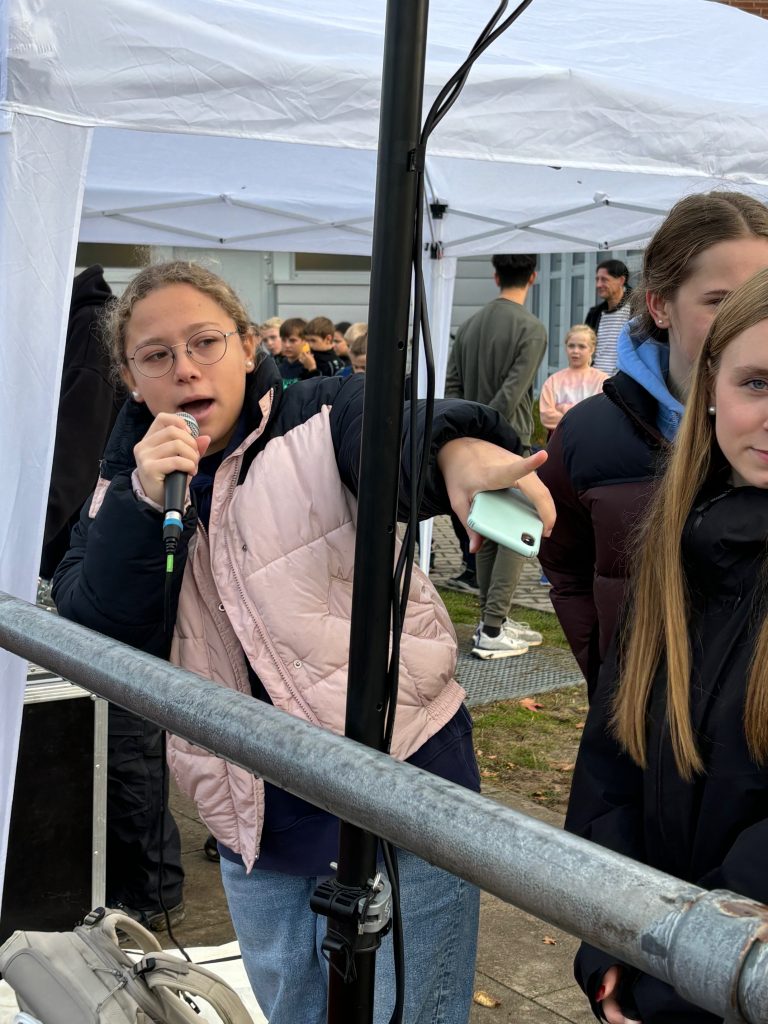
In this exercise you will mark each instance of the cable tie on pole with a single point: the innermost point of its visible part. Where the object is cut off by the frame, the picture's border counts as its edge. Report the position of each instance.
(417, 159)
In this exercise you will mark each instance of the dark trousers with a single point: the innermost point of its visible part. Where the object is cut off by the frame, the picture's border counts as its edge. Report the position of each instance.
(134, 798)
(463, 539)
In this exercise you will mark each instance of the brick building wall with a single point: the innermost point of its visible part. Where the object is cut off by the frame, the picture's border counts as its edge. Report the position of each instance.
(759, 7)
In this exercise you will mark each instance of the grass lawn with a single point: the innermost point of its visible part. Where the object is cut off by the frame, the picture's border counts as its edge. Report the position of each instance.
(526, 747)
(532, 752)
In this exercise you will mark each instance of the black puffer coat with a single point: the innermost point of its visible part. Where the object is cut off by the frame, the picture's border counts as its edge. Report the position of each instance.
(602, 467)
(712, 831)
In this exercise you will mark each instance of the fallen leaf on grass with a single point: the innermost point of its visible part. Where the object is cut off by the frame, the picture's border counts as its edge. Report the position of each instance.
(484, 999)
(488, 774)
(549, 941)
(580, 725)
(563, 766)
(530, 704)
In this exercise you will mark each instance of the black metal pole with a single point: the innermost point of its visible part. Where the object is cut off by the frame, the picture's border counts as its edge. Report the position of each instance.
(401, 111)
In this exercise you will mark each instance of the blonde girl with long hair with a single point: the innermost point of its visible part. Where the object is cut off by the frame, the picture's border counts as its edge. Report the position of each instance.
(673, 764)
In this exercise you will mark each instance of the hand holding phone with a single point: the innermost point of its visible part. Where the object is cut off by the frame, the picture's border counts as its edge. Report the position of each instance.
(509, 518)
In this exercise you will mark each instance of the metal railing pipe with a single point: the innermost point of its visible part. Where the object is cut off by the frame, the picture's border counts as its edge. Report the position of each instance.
(710, 945)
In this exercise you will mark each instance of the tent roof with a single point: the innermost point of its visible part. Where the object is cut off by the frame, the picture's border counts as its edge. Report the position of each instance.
(249, 124)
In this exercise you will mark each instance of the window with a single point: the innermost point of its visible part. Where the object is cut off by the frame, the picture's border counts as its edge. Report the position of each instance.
(313, 261)
(89, 253)
(577, 301)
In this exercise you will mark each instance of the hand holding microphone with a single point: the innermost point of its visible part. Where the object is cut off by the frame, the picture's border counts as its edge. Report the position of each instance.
(175, 493)
(169, 452)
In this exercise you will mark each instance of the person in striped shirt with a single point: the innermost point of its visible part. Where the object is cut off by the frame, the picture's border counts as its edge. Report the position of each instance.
(608, 317)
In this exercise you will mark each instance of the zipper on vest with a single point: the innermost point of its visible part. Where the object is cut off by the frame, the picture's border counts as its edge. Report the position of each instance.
(262, 635)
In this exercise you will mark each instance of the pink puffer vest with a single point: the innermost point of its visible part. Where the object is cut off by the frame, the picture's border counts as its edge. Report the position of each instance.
(272, 582)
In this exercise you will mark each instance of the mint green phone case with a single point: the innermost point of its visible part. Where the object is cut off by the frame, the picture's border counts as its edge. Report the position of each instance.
(508, 518)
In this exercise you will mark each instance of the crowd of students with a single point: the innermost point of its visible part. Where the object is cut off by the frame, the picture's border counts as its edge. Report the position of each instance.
(653, 497)
(316, 348)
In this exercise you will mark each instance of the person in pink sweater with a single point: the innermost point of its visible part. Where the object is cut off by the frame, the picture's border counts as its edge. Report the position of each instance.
(579, 380)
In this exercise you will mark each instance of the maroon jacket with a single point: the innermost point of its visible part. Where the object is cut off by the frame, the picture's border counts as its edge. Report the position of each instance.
(602, 465)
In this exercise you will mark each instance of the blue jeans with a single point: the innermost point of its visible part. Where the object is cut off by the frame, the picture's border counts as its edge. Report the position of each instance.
(280, 941)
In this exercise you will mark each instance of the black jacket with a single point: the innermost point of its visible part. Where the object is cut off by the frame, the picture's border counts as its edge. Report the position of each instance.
(111, 580)
(601, 470)
(88, 405)
(712, 831)
(326, 365)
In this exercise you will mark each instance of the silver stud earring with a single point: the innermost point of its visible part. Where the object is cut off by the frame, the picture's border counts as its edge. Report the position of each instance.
(711, 410)
(135, 396)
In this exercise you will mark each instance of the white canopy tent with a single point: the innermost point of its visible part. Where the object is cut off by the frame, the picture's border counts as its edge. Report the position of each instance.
(253, 124)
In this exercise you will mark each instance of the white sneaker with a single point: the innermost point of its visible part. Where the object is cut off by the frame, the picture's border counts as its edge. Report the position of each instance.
(501, 646)
(515, 630)
(522, 631)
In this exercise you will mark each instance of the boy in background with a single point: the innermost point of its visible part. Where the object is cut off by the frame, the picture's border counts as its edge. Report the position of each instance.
(319, 334)
(271, 341)
(352, 333)
(297, 361)
(340, 346)
(358, 351)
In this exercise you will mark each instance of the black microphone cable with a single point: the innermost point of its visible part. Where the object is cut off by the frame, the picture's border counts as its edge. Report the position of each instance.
(175, 494)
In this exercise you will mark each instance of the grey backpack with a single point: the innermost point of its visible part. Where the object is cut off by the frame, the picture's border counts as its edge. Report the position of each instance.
(84, 977)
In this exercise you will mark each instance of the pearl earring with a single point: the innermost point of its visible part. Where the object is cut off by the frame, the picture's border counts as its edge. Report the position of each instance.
(661, 323)
(135, 396)
(711, 410)
(249, 364)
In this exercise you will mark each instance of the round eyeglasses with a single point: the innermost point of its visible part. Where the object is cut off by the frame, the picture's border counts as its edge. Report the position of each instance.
(155, 360)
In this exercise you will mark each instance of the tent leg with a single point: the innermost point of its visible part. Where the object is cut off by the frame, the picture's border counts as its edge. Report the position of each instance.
(42, 177)
(439, 282)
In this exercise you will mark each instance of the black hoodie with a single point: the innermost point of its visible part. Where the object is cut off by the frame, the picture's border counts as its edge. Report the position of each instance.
(88, 406)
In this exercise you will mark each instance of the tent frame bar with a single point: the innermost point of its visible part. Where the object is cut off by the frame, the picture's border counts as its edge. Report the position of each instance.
(308, 224)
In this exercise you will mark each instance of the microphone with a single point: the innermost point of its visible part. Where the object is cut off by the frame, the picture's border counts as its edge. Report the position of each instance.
(174, 495)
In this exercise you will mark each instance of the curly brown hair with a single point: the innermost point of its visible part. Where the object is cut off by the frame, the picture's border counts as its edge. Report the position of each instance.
(118, 313)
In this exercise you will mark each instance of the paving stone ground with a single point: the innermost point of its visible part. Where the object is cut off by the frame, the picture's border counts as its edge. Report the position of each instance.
(542, 668)
(530, 592)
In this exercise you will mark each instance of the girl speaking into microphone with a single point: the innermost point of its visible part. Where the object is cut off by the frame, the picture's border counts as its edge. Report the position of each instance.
(261, 603)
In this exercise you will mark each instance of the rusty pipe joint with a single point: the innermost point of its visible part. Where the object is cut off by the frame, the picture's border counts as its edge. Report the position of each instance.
(712, 950)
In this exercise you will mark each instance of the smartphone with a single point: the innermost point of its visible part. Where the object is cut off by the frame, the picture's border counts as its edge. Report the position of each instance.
(508, 518)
